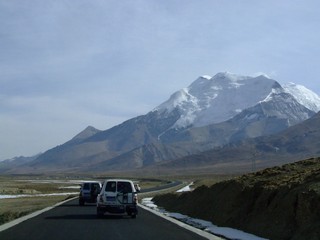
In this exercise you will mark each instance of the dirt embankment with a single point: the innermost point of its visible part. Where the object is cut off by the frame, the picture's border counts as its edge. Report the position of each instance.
(275, 203)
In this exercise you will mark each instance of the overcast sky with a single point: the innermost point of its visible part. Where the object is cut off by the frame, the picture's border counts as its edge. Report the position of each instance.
(66, 64)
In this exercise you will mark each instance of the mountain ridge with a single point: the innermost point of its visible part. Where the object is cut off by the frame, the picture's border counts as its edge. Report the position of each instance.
(175, 128)
(292, 144)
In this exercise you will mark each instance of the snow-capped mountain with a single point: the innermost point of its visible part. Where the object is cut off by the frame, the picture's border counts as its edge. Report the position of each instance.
(304, 96)
(210, 112)
(217, 99)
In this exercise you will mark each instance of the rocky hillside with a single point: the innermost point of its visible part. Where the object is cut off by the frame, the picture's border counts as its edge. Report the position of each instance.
(297, 142)
(275, 203)
(209, 114)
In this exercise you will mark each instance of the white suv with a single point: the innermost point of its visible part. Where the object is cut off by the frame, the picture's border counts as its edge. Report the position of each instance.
(118, 197)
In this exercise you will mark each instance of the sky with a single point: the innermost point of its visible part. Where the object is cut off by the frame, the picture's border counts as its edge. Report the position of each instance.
(66, 65)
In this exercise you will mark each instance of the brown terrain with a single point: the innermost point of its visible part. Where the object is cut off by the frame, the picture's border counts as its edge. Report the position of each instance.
(275, 203)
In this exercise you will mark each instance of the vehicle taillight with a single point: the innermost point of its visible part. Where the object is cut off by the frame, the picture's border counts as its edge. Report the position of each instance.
(135, 198)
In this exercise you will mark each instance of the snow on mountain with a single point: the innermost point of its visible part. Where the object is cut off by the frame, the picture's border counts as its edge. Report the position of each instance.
(192, 120)
(304, 96)
(212, 100)
(216, 99)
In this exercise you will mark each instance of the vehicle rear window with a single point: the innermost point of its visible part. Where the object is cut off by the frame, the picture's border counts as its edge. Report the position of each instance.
(111, 186)
(95, 186)
(86, 186)
(124, 187)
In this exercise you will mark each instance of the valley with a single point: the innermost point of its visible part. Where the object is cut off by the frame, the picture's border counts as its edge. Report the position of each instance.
(242, 154)
(22, 195)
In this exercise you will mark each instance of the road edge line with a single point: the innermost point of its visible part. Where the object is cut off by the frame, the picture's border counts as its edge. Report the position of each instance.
(198, 231)
(31, 215)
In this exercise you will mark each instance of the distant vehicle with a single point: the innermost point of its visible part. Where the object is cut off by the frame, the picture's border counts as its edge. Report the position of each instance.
(118, 197)
(89, 192)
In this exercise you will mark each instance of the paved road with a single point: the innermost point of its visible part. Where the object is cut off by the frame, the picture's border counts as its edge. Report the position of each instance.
(161, 187)
(71, 221)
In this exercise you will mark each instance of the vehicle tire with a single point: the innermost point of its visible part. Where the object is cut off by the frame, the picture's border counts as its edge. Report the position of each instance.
(81, 202)
(99, 214)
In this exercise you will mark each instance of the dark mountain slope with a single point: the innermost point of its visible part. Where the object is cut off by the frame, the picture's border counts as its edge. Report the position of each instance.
(297, 142)
(256, 121)
(276, 203)
(91, 147)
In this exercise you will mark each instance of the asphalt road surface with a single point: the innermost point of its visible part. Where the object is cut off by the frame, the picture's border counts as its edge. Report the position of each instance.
(70, 221)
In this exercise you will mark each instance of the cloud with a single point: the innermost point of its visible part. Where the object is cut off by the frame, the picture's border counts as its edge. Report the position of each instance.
(67, 64)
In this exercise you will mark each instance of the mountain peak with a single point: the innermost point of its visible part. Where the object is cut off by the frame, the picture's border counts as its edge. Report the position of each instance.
(229, 76)
(304, 96)
(212, 100)
(86, 133)
(206, 77)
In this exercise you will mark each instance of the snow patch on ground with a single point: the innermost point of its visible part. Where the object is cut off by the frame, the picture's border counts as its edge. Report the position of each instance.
(36, 195)
(74, 185)
(148, 203)
(229, 233)
(70, 187)
(186, 188)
